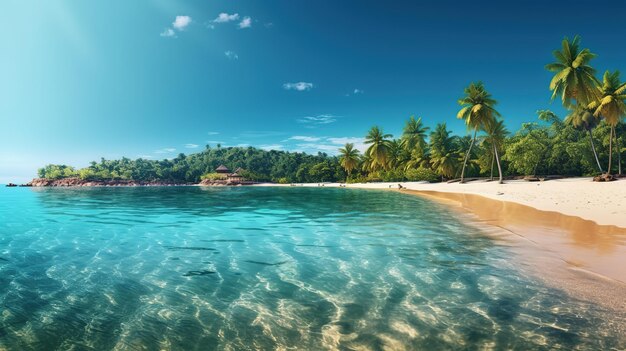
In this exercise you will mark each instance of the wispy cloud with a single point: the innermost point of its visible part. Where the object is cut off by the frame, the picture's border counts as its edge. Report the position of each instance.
(299, 86)
(231, 55)
(225, 18)
(269, 147)
(312, 121)
(191, 146)
(330, 145)
(166, 150)
(181, 22)
(168, 32)
(246, 22)
(145, 156)
(212, 133)
(357, 91)
(304, 138)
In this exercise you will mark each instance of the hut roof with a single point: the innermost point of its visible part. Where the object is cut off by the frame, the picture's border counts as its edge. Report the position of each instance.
(222, 168)
(239, 170)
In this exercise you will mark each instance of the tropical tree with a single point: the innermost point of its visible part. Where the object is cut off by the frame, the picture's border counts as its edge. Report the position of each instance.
(443, 155)
(496, 134)
(574, 78)
(610, 105)
(582, 118)
(349, 158)
(414, 134)
(397, 154)
(379, 147)
(477, 111)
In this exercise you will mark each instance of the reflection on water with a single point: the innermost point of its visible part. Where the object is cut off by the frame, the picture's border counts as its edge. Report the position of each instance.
(256, 268)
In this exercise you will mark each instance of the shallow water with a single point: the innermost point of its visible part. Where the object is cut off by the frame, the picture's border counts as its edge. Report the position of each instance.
(189, 268)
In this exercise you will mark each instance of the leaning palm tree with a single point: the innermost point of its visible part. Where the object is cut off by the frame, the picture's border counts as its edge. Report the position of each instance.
(414, 134)
(574, 78)
(379, 148)
(477, 111)
(496, 133)
(582, 118)
(611, 105)
(349, 158)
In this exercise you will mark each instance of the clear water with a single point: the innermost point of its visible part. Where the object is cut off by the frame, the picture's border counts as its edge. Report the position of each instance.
(189, 268)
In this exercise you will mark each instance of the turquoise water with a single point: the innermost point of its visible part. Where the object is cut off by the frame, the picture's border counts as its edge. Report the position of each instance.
(189, 268)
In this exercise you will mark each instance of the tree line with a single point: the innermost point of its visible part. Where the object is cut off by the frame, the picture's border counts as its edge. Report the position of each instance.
(586, 142)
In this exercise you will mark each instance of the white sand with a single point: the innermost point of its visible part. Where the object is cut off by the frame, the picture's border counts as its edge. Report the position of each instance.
(603, 203)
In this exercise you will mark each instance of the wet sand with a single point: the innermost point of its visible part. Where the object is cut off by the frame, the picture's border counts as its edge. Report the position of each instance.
(586, 259)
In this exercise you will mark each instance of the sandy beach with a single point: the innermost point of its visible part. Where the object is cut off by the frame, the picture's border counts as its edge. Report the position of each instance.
(570, 232)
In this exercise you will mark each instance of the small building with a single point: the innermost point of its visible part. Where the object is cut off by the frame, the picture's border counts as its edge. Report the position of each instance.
(222, 170)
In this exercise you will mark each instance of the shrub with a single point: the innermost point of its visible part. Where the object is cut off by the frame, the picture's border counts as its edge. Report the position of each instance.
(421, 174)
(213, 176)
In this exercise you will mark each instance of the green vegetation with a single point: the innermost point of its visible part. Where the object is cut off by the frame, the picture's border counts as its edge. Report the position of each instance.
(590, 136)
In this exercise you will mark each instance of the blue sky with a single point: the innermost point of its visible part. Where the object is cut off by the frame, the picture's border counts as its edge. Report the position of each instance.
(80, 80)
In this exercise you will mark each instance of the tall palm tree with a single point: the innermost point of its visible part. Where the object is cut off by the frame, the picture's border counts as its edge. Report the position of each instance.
(444, 157)
(477, 111)
(378, 151)
(574, 78)
(611, 105)
(349, 158)
(496, 133)
(583, 118)
(414, 134)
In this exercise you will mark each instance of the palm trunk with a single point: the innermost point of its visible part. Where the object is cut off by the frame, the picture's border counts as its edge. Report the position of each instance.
(608, 171)
(593, 148)
(619, 153)
(467, 157)
(495, 149)
(492, 164)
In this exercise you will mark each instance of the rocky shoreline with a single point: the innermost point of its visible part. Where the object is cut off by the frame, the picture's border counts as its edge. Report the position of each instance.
(77, 182)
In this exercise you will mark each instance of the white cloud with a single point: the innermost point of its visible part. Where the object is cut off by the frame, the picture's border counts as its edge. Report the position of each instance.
(212, 133)
(168, 32)
(359, 143)
(304, 138)
(231, 55)
(318, 120)
(166, 150)
(271, 147)
(224, 18)
(181, 22)
(191, 146)
(299, 86)
(246, 22)
(145, 156)
(357, 91)
(313, 148)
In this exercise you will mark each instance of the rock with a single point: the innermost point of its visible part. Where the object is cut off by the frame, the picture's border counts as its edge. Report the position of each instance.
(604, 178)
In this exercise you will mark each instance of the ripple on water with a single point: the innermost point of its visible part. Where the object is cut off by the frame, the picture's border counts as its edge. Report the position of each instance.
(254, 268)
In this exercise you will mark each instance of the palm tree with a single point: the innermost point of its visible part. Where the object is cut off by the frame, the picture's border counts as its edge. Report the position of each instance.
(583, 118)
(477, 111)
(611, 105)
(414, 134)
(396, 156)
(443, 156)
(496, 133)
(378, 151)
(349, 158)
(573, 78)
